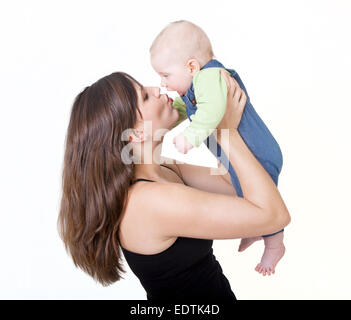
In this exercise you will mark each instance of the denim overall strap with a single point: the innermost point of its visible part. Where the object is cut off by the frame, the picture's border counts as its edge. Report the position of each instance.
(187, 99)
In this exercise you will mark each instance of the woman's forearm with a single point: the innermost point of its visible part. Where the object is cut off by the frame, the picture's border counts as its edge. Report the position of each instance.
(256, 184)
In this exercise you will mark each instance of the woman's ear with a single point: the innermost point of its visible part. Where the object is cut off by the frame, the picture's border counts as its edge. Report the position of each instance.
(193, 66)
(137, 136)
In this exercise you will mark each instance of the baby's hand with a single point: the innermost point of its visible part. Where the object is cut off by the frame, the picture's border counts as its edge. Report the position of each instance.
(182, 144)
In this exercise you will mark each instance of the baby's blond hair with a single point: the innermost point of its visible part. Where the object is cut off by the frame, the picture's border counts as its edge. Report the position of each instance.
(186, 40)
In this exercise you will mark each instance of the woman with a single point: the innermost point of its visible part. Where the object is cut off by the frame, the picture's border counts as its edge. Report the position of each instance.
(163, 218)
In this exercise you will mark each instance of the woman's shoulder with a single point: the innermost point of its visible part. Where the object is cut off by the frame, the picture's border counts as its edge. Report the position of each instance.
(140, 225)
(146, 196)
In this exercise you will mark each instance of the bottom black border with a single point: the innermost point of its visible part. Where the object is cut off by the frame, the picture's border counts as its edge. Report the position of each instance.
(145, 310)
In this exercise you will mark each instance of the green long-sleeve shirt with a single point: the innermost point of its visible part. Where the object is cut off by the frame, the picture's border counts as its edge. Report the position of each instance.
(211, 98)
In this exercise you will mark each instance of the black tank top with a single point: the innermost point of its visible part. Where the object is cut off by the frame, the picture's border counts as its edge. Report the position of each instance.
(187, 270)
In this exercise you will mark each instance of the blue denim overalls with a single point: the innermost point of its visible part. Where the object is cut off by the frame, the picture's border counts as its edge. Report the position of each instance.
(253, 131)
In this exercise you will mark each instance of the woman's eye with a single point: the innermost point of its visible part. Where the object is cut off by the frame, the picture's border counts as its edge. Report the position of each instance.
(146, 96)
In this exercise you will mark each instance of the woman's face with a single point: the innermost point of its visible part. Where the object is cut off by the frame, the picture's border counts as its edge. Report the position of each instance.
(156, 107)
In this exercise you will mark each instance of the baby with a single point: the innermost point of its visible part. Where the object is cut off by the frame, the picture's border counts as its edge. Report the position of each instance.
(182, 55)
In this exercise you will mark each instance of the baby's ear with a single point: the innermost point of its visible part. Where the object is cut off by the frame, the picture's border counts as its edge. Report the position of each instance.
(193, 66)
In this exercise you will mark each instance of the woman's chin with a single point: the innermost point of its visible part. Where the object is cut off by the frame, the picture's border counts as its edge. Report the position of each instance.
(172, 119)
(176, 114)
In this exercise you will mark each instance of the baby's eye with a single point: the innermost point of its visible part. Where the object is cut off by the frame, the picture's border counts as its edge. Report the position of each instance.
(146, 96)
(165, 75)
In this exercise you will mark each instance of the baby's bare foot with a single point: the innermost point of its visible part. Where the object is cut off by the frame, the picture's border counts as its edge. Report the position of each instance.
(246, 242)
(269, 260)
(274, 250)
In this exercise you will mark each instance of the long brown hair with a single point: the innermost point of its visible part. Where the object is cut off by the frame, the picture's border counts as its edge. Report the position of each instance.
(95, 180)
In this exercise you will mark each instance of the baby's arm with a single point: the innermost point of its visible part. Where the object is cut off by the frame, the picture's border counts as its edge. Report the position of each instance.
(211, 97)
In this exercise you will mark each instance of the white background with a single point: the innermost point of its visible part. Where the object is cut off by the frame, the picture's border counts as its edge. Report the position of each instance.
(294, 58)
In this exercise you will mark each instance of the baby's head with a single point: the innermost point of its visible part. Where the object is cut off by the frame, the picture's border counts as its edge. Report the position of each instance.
(179, 51)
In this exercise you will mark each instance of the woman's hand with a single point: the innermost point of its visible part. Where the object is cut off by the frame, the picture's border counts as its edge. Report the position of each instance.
(236, 100)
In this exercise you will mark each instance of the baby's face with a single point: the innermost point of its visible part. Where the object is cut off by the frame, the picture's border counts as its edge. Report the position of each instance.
(175, 76)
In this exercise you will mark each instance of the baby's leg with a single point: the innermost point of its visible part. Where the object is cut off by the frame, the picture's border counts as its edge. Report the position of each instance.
(246, 242)
(273, 252)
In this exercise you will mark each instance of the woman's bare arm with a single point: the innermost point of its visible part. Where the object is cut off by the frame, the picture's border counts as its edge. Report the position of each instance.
(215, 180)
(207, 179)
(184, 211)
